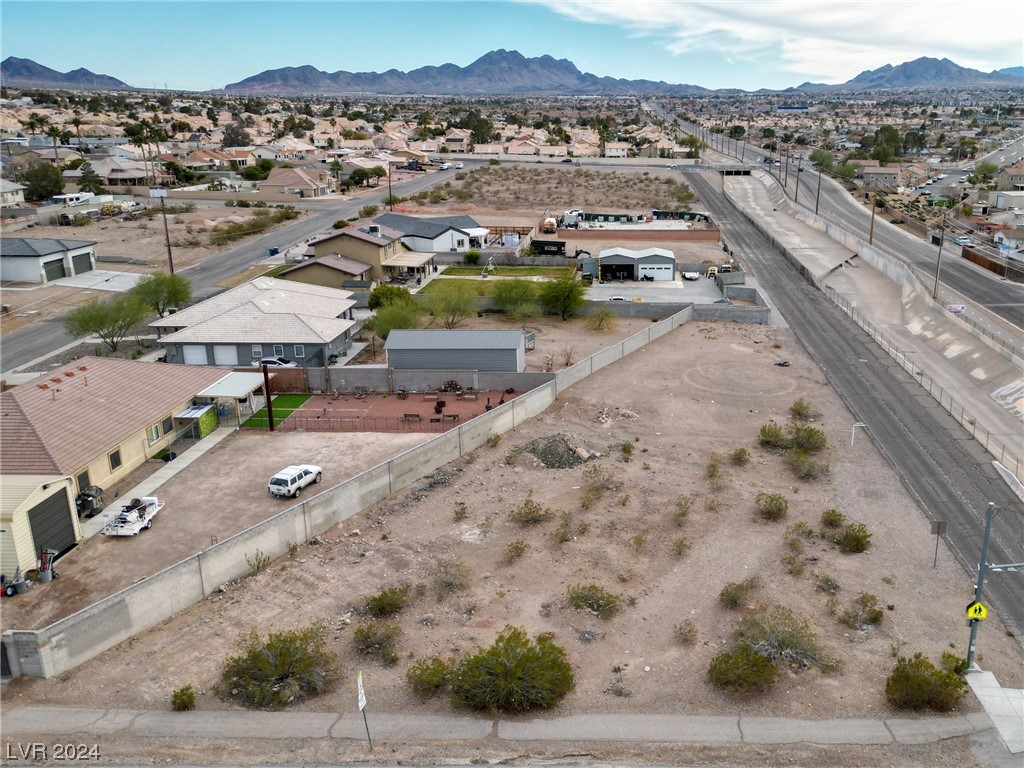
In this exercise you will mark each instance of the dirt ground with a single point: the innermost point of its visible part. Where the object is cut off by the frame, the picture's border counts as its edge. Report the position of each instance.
(703, 389)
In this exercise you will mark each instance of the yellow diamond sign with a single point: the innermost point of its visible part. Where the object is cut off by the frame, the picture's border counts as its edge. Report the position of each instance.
(977, 611)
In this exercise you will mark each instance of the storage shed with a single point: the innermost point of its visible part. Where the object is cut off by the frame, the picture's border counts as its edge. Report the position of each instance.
(622, 264)
(42, 260)
(37, 512)
(417, 350)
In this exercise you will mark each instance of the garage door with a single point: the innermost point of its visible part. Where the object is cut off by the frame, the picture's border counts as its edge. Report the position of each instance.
(195, 354)
(54, 270)
(225, 354)
(50, 521)
(81, 263)
(656, 271)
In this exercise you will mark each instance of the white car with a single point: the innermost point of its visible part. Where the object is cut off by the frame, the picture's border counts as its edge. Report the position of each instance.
(962, 240)
(274, 362)
(458, 166)
(291, 480)
(691, 275)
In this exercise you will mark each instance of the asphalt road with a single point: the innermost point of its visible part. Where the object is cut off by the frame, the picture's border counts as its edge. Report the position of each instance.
(948, 473)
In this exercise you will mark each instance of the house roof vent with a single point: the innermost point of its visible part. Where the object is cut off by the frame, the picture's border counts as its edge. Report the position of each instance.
(373, 229)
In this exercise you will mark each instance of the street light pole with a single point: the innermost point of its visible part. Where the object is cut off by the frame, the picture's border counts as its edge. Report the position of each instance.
(817, 195)
(799, 162)
(938, 259)
(871, 231)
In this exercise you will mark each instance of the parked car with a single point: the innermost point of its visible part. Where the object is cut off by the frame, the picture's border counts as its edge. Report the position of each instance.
(618, 298)
(962, 240)
(458, 166)
(691, 275)
(567, 160)
(444, 167)
(291, 480)
(274, 362)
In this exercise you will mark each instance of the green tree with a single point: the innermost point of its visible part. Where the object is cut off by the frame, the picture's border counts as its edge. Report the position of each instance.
(181, 174)
(563, 296)
(821, 158)
(161, 291)
(235, 135)
(90, 181)
(512, 295)
(111, 319)
(359, 176)
(42, 181)
(258, 171)
(388, 294)
(846, 170)
(986, 170)
(56, 133)
(452, 302)
(395, 315)
(377, 173)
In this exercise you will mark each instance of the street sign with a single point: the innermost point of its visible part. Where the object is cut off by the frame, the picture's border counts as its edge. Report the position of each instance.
(158, 193)
(976, 611)
(362, 693)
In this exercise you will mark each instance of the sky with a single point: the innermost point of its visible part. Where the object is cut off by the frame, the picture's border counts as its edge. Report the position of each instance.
(746, 44)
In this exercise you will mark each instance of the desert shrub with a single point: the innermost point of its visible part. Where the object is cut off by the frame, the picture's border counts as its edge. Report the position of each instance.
(918, 684)
(514, 674)
(800, 410)
(515, 550)
(803, 465)
(771, 436)
(735, 594)
(771, 506)
(852, 538)
(388, 602)
(450, 576)
(591, 597)
(367, 211)
(713, 471)
(183, 699)
(597, 482)
(740, 457)
(638, 541)
(493, 439)
(827, 583)
(685, 633)
(953, 663)
(794, 565)
(427, 677)
(777, 634)
(743, 671)
(283, 667)
(680, 546)
(563, 532)
(807, 438)
(863, 613)
(601, 320)
(832, 518)
(461, 511)
(530, 513)
(378, 640)
(683, 505)
(795, 537)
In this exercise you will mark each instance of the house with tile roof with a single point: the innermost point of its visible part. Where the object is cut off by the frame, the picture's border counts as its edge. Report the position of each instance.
(332, 271)
(303, 182)
(438, 234)
(265, 317)
(88, 423)
(43, 259)
(379, 247)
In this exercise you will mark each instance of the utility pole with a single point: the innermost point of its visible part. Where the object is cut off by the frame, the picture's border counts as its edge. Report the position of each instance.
(799, 163)
(391, 197)
(938, 260)
(162, 193)
(817, 195)
(871, 231)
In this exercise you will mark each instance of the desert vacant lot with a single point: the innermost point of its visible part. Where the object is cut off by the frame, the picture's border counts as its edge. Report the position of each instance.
(703, 389)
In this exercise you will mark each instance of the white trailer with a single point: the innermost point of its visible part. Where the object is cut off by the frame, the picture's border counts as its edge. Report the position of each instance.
(134, 517)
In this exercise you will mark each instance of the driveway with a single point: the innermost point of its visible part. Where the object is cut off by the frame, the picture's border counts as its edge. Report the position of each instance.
(101, 280)
(701, 291)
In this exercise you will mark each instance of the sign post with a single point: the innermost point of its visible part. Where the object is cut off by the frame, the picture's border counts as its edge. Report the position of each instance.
(362, 708)
(938, 528)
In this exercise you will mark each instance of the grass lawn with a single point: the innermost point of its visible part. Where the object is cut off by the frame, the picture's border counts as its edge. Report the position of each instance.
(480, 287)
(284, 406)
(277, 270)
(509, 271)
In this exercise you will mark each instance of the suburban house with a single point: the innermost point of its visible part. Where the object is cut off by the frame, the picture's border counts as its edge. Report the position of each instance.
(378, 246)
(616, 149)
(623, 264)
(119, 171)
(265, 317)
(301, 181)
(1011, 178)
(11, 193)
(40, 260)
(488, 149)
(88, 423)
(1010, 238)
(880, 178)
(445, 233)
(429, 350)
(332, 271)
(29, 157)
(457, 140)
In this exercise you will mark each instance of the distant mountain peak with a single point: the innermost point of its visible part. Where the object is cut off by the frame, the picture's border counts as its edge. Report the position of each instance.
(25, 73)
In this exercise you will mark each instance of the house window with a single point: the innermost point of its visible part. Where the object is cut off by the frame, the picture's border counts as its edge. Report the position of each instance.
(279, 350)
(167, 426)
(300, 352)
(83, 480)
(460, 243)
(257, 351)
(115, 459)
(153, 433)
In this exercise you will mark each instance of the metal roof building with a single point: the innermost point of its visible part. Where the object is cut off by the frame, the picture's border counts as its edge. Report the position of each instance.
(427, 350)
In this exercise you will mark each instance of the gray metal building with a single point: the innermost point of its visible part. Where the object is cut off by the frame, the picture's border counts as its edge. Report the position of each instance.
(426, 350)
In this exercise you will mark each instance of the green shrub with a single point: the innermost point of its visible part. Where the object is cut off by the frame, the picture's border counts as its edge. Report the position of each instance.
(800, 410)
(685, 633)
(378, 640)
(777, 634)
(597, 482)
(953, 663)
(367, 211)
(283, 667)
(771, 436)
(803, 465)
(427, 677)
(591, 597)
(794, 565)
(863, 613)
(388, 602)
(771, 506)
(515, 550)
(530, 513)
(918, 684)
(450, 576)
(807, 438)
(514, 675)
(833, 518)
(740, 457)
(743, 671)
(601, 320)
(735, 594)
(853, 538)
(183, 699)
(563, 532)
(827, 583)
(471, 257)
(795, 537)
(681, 546)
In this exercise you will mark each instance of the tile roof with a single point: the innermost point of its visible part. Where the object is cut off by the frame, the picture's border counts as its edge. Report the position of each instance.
(292, 177)
(245, 325)
(41, 246)
(334, 261)
(386, 236)
(10, 186)
(423, 339)
(428, 228)
(62, 420)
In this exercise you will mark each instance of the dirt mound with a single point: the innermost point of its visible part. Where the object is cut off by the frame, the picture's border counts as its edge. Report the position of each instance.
(559, 451)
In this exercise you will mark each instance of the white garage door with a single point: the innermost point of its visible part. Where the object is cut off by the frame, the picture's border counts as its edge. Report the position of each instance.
(657, 271)
(195, 354)
(225, 354)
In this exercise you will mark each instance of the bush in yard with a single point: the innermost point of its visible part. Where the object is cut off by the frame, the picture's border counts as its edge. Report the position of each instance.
(800, 410)
(183, 699)
(283, 667)
(804, 465)
(378, 639)
(740, 457)
(530, 513)
(771, 506)
(771, 436)
(918, 684)
(743, 671)
(514, 675)
(388, 602)
(807, 438)
(429, 676)
(852, 539)
(735, 594)
(777, 634)
(471, 257)
(591, 597)
(832, 518)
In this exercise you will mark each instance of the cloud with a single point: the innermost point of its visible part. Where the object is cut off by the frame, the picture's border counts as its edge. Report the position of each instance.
(817, 39)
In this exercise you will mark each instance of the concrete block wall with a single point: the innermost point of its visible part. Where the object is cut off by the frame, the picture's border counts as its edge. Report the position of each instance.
(730, 313)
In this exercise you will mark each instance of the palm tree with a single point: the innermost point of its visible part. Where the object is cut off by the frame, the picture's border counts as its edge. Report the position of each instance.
(140, 142)
(78, 123)
(55, 132)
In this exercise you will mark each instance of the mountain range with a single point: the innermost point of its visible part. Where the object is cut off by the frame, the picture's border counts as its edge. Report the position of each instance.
(510, 73)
